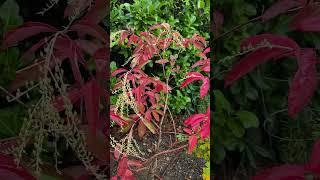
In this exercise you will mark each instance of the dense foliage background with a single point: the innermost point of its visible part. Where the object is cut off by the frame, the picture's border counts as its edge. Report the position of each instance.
(252, 129)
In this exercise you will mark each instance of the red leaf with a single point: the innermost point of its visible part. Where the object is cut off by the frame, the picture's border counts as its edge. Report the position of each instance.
(304, 83)
(194, 119)
(217, 22)
(74, 95)
(117, 119)
(122, 166)
(134, 163)
(92, 101)
(87, 46)
(76, 6)
(101, 60)
(118, 71)
(25, 31)
(67, 47)
(156, 115)
(281, 6)
(9, 170)
(97, 12)
(308, 19)
(204, 87)
(250, 61)
(272, 39)
(314, 162)
(190, 77)
(162, 61)
(91, 29)
(192, 143)
(284, 172)
(33, 49)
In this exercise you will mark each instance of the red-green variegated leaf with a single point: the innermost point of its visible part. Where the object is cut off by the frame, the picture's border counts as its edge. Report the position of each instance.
(304, 83)
(25, 31)
(281, 6)
(156, 115)
(308, 19)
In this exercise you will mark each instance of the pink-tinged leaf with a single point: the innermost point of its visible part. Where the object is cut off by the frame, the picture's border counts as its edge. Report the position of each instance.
(304, 83)
(92, 101)
(190, 77)
(117, 119)
(204, 87)
(250, 61)
(314, 162)
(118, 71)
(74, 95)
(116, 153)
(192, 143)
(284, 172)
(25, 31)
(91, 29)
(217, 22)
(162, 61)
(308, 19)
(97, 12)
(141, 129)
(280, 7)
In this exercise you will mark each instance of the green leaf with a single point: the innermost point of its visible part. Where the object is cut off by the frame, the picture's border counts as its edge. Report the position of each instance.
(235, 128)
(218, 153)
(9, 13)
(8, 65)
(221, 103)
(261, 151)
(10, 121)
(248, 119)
